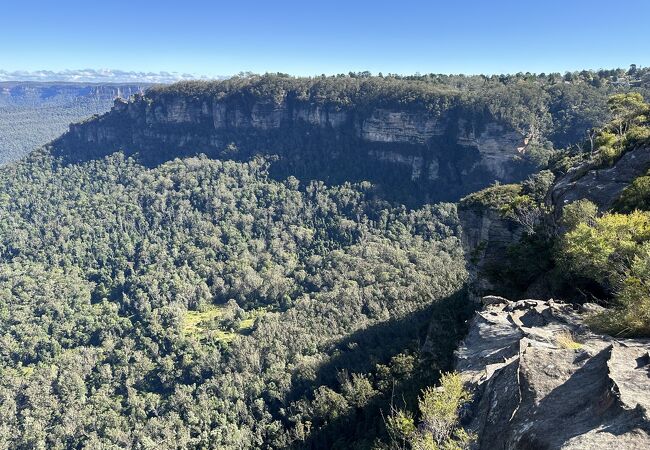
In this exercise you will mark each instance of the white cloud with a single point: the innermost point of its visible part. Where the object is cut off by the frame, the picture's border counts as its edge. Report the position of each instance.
(99, 76)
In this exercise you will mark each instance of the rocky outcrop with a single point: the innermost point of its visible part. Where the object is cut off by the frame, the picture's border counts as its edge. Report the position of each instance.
(542, 380)
(601, 185)
(486, 235)
(408, 151)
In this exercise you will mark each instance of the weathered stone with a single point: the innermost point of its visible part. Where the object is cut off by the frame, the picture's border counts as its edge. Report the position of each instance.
(541, 380)
(494, 300)
(400, 126)
(497, 145)
(602, 186)
(591, 308)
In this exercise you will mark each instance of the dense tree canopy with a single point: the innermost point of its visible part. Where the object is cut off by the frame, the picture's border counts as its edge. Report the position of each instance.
(202, 304)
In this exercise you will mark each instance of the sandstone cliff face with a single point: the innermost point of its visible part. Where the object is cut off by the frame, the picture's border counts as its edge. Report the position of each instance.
(541, 380)
(400, 126)
(491, 142)
(602, 186)
(486, 236)
(441, 156)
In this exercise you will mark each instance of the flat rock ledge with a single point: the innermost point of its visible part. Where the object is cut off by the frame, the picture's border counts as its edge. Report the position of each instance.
(542, 380)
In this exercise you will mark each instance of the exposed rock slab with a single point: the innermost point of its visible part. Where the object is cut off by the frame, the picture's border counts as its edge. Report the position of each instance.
(496, 144)
(602, 186)
(400, 126)
(542, 380)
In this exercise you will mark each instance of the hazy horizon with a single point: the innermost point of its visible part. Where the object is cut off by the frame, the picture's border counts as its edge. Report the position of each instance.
(120, 76)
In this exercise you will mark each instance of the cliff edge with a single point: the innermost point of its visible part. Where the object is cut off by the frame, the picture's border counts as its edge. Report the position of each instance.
(416, 153)
(542, 380)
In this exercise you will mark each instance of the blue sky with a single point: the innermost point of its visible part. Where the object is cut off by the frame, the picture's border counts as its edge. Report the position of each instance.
(309, 38)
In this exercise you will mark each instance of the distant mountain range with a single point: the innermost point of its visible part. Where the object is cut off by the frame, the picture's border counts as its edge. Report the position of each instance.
(33, 113)
(38, 106)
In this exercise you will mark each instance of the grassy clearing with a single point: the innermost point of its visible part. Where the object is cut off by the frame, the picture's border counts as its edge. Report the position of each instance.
(197, 322)
(217, 322)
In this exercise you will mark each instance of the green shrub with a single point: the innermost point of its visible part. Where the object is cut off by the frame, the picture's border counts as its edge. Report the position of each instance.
(496, 196)
(631, 315)
(615, 252)
(540, 154)
(637, 135)
(603, 251)
(564, 161)
(538, 184)
(439, 418)
(580, 211)
(635, 196)
(609, 147)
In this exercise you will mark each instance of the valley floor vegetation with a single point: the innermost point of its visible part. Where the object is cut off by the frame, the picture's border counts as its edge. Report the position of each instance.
(201, 304)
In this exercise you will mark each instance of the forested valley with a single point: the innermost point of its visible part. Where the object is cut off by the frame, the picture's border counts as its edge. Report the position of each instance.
(32, 113)
(200, 304)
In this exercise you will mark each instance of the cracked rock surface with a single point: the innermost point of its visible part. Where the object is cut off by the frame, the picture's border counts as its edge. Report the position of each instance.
(542, 380)
(602, 186)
